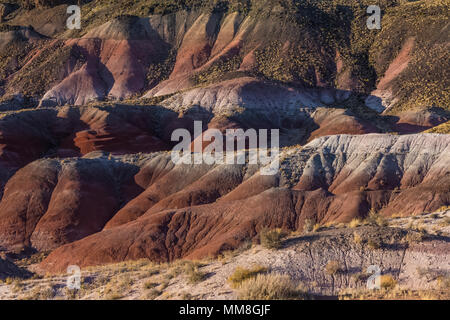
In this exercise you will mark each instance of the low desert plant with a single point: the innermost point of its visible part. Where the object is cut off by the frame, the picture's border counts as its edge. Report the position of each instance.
(354, 223)
(333, 267)
(387, 282)
(308, 225)
(18, 286)
(444, 282)
(445, 222)
(272, 239)
(373, 244)
(357, 239)
(150, 285)
(194, 275)
(241, 274)
(270, 287)
(152, 294)
(414, 237)
(375, 219)
(361, 276)
(443, 208)
(70, 294)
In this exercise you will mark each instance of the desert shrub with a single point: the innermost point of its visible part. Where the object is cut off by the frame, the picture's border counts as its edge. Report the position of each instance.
(375, 219)
(414, 237)
(354, 223)
(272, 239)
(18, 286)
(152, 294)
(361, 276)
(387, 282)
(270, 287)
(150, 285)
(114, 296)
(445, 222)
(308, 225)
(373, 244)
(42, 293)
(116, 288)
(444, 282)
(333, 267)
(70, 294)
(186, 296)
(194, 275)
(443, 208)
(357, 239)
(241, 274)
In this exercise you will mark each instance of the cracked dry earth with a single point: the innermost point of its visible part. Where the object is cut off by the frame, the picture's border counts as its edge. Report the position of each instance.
(415, 251)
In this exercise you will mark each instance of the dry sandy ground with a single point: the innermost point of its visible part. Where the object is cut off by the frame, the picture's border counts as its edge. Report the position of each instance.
(414, 251)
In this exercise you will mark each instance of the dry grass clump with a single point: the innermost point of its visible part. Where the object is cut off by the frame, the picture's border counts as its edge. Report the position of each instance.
(357, 239)
(270, 287)
(443, 208)
(308, 225)
(18, 286)
(414, 237)
(355, 223)
(444, 282)
(182, 267)
(445, 222)
(193, 273)
(333, 267)
(42, 293)
(387, 282)
(375, 219)
(272, 239)
(152, 294)
(150, 285)
(373, 244)
(117, 287)
(241, 274)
